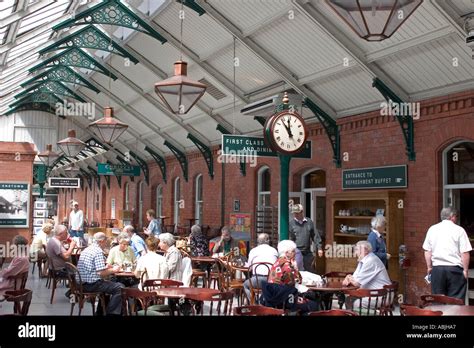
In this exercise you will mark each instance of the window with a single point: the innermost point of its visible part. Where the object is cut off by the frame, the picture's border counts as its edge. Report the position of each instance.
(159, 201)
(198, 202)
(126, 198)
(264, 179)
(177, 195)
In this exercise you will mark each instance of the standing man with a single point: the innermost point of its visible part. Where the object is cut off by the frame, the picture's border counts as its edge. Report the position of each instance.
(447, 250)
(302, 232)
(94, 270)
(375, 239)
(76, 221)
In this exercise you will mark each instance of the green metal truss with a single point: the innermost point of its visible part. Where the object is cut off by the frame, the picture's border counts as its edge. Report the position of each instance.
(260, 119)
(61, 74)
(107, 180)
(40, 97)
(46, 107)
(74, 57)
(94, 175)
(195, 7)
(87, 176)
(143, 165)
(206, 153)
(39, 173)
(118, 177)
(243, 167)
(89, 37)
(406, 121)
(331, 127)
(159, 160)
(180, 156)
(57, 88)
(111, 12)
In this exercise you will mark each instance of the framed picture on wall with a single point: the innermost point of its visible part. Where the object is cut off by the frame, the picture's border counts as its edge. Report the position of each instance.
(40, 213)
(41, 205)
(38, 222)
(14, 204)
(236, 205)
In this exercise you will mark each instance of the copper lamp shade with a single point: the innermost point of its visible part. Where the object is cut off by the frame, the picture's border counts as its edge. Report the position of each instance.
(108, 128)
(71, 146)
(374, 20)
(179, 93)
(48, 156)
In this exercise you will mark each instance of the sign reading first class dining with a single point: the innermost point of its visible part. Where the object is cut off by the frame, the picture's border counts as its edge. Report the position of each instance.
(375, 177)
(117, 169)
(64, 182)
(240, 145)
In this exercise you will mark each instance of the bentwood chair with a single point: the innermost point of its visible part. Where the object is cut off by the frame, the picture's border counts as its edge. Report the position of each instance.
(366, 301)
(52, 282)
(77, 292)
(329, 297)
(255, 269)
(392, 292)
(154, 284)
(257, 311)
(427, 300)
(137, 302)
(408, 311)
(19, 281)
(21, 300)
(223, 302)
(333, 313)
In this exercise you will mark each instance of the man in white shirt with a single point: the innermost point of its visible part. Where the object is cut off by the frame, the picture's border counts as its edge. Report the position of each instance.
(76, 221)
(263, 252)
(447, 248)
(370, 272)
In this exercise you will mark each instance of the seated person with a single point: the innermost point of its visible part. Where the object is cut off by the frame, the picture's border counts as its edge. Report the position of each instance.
(153, 264)
(56, 251)
(198, 242)
(172, 255)
(40, 241)
(226, 244)
(136, 242)
(370, 272)
(122, 255)
(93, 271)
(19, 264)
(263, 252)
(284, 275)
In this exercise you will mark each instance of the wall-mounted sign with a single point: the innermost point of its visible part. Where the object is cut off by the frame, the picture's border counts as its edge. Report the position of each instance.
(64, 182)
(117, 169)
(239, 145)
(14, 204)
(375, 177)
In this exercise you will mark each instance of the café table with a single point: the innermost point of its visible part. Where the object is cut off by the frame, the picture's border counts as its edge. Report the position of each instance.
(449, 309)
(207, 262)
(326, 290)
(191, 221)
(184, 295)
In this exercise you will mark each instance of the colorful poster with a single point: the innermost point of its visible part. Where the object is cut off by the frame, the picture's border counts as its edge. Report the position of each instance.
(240, 222)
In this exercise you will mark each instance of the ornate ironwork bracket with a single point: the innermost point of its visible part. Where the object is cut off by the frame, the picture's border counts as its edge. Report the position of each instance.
(61, 74)
(111, 12)
(331, 127)
(40, 97)
(406, 121)
(87, 176)
(74, 57)
(160, 161)
(180, 156)
(95, 175)
(118, 177)
(143, 165)
(206, 153)
(243, 167)
(32, 106)
(90, 37)
(54, 87)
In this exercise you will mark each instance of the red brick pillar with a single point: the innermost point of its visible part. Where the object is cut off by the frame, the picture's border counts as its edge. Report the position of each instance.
(16, 165)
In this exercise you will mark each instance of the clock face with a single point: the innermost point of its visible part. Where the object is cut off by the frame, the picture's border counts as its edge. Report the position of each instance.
(287, 132)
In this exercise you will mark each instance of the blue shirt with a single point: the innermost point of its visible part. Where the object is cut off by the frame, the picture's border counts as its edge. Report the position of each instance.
(154, 227)
(91, 262)
(137, 244)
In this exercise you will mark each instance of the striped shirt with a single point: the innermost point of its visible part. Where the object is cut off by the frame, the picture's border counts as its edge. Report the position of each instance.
(91, 262)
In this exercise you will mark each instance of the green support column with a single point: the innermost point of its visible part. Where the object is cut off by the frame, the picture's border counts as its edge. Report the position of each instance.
(284, 195)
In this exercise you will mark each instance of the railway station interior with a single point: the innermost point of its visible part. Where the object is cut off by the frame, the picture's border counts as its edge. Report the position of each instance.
(188, 157)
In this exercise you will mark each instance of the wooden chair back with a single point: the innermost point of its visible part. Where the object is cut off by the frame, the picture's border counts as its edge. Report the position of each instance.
(390, 301)
(20, 280)
(153, 284)
(21, 300)
(258, 268)
(132, 296)
(223, 301)
(408, 311)
(440, 299)
(366, 301)
(257, 311)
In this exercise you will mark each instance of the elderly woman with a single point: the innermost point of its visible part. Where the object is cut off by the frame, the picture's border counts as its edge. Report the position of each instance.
(172, 255)
(285, 271)
(153, 264)
(18, 265)
(198, 242)
(121, 254)
(38, 246)
(376, 240)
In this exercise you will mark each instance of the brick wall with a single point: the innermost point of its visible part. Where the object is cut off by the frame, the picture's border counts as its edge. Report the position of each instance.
(369, 140)
(16, 164)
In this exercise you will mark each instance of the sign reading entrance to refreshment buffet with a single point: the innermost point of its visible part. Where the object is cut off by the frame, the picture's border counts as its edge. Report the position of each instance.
(117, 169)
(64, 182)
(375, 177)
(14, 204)
(239, 145)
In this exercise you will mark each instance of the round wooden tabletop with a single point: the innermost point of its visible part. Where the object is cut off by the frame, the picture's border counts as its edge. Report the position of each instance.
(203, 259)
(124, 274)
(184, 292)
(452, 309)
(331, 287)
